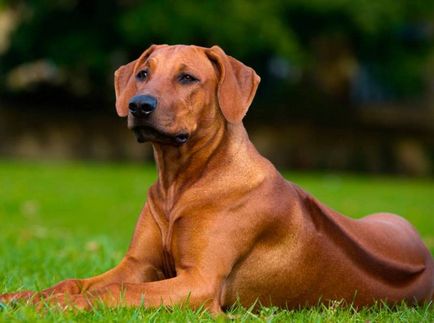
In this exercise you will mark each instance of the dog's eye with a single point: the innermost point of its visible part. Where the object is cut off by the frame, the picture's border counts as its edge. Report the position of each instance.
(142, 75)
(185, 78)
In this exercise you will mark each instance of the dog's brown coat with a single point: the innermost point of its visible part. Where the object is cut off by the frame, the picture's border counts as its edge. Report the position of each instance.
(221, 224)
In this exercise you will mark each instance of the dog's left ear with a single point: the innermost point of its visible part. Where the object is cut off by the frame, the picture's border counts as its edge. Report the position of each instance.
(237, 84)
(125, 83)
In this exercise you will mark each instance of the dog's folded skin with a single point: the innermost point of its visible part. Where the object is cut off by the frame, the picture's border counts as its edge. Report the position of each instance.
(221, 225)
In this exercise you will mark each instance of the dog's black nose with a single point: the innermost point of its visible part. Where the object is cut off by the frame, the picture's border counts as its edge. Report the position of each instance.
(142, 105)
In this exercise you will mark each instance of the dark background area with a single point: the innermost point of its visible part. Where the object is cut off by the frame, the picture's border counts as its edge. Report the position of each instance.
(346, 85)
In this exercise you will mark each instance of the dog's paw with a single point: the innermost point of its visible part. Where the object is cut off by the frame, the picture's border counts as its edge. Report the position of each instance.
(68, 286)
(65, 302)
(16, 297)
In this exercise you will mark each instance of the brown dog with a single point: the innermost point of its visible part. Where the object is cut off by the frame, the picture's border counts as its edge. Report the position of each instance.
(221, 224)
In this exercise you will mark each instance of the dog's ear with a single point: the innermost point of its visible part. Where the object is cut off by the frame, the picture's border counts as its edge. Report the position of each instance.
(125, 87)
(237, 84)
(125, 83)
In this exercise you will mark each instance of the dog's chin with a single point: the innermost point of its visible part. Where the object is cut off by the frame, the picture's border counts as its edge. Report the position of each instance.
(148, 133)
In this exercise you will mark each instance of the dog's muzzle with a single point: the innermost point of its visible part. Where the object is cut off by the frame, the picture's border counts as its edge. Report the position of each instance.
(141, 108)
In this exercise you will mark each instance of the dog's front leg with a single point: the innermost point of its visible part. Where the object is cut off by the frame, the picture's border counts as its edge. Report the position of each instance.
(141, 264)
(189, 288)
(204, 259)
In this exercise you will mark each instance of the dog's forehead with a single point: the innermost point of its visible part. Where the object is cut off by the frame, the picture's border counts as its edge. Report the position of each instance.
(177, 56)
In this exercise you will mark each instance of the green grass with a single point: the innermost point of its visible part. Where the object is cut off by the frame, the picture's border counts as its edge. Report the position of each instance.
(61, 220)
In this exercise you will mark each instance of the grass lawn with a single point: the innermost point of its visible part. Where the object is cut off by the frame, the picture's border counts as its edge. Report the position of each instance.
(62, 220)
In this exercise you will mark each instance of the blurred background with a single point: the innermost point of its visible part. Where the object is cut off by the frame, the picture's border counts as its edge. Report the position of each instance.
(346, 85)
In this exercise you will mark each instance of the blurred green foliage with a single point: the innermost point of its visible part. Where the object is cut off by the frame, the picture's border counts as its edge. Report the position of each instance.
(87, 40)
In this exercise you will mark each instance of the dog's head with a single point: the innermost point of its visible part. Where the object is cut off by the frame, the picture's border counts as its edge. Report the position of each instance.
(171, 92)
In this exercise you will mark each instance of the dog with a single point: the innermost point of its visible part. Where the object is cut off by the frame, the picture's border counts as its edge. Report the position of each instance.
(221, 225)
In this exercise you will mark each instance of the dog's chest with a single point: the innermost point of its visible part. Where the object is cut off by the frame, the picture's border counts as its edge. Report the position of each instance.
(169, 269)
(169, 214)
(166, 225)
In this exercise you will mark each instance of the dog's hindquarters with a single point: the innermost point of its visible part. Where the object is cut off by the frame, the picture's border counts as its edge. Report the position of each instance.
(384, 257)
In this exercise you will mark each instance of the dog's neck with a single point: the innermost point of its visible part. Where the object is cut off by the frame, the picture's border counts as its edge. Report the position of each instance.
(185, 164)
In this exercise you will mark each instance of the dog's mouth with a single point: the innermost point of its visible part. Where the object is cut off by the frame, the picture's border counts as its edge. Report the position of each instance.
(148, 133)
